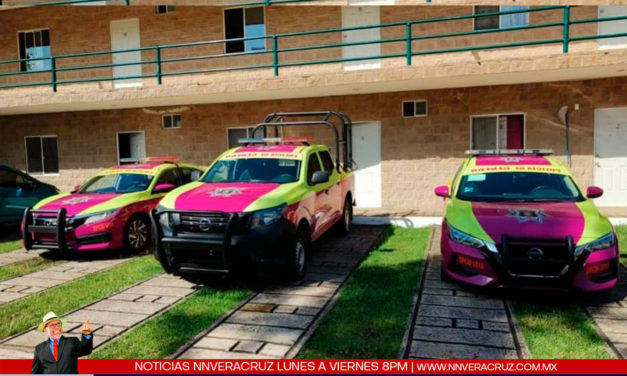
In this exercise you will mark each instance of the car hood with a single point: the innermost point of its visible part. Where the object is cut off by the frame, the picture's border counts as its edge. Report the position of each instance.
(491, 220)
(226, 197)
(78, 203)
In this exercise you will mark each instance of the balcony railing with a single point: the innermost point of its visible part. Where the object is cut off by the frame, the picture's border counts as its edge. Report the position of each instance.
(9, 3)
(163, 59)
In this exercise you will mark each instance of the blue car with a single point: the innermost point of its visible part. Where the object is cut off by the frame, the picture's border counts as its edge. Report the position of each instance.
(19, 191)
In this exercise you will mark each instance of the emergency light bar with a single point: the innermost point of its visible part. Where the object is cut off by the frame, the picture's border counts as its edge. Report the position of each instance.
(475, 153)
(277, 140)
(164, 159)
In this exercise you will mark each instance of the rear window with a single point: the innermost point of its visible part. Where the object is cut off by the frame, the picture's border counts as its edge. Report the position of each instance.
(518, 186)
(254, 170)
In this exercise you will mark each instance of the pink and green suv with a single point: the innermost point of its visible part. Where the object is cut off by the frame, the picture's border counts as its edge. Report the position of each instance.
(517, 218)
(110, 211)
(260, 204)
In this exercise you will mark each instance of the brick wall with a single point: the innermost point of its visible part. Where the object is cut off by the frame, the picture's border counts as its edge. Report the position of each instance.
(417, 153)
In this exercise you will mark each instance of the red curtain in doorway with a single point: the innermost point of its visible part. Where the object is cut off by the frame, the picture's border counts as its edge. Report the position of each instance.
(515, 131)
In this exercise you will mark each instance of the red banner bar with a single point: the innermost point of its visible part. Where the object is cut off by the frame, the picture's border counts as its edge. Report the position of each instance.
(337, 367)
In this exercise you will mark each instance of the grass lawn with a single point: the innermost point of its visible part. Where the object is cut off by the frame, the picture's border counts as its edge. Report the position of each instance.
(25, 267)
(10, 245)
(621, 232)
(164, 334)
(22, 314)
(556, 328)
(370, 316)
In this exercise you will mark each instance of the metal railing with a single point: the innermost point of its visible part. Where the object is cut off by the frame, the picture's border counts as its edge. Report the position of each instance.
(275, 55)
(130, 2)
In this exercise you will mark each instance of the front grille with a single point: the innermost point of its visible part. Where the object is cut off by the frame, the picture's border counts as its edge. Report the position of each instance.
(44, 221)
(537, 257)
(203, 223)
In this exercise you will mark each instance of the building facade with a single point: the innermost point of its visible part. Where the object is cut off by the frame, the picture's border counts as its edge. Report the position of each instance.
(86, 87)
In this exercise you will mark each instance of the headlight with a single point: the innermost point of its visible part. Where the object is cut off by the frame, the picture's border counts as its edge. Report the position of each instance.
(167, 220)
(266, 217)
(93, 218)
(465, 239)
(603, 242)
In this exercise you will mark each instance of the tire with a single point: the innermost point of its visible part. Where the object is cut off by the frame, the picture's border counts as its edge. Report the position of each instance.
(296, 257)
(344, 225)
(137, 234)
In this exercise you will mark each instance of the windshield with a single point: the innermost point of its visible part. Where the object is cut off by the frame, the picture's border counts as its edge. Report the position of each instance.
(518, 186)
(117, 183)
(254, 170)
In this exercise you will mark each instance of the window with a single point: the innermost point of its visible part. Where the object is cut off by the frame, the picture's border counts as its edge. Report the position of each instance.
(168, 177)
(234, 134)
(244, 23)
(187, 174)
(163, 9)
(503, 21)
(34, 47)
(9, 179)
(327, 162)
(498, 132)
(312, 167)
(171, 121)
(42, 156)
(414, 108)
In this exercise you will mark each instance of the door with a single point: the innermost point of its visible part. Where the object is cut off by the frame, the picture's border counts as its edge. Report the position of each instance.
(125, 36)
(515, 131)
(131, 147)
(612, 27)
(610, 155)
(359, 16)
(367, 154)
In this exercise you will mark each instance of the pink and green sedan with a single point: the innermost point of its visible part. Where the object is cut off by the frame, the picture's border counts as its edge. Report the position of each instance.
(110, 211)
(517, 218)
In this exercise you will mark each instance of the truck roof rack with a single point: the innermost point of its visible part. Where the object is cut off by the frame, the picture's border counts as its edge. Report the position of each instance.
(479, 152)
(275, 140)
(326, 119)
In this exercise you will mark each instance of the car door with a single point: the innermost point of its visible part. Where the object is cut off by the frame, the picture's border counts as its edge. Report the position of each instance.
(332, 189)
(320, 199)
(17, 192)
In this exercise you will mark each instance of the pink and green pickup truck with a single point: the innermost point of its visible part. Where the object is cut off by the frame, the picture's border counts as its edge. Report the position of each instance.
(260, 204)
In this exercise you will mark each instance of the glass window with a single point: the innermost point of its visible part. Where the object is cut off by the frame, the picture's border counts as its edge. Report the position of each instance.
(484, 132)
(9, 179)
(117, 183)
(514, 20)
(169, 177)
(42, 155)
(486, 22)
(518, 186)
(171, 121)
(234, 134)
(327, 161)
(312, 167)
(187, 174)
(34, 47)
(244, 23)
(254, 170)
(498, 132)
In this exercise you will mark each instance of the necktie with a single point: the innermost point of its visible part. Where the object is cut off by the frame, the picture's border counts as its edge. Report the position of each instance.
(56, 349)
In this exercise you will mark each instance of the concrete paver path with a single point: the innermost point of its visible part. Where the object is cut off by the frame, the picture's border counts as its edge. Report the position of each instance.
(19, 255)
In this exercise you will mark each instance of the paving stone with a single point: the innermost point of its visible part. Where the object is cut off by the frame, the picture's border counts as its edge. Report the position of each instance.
(285, 309)
(9, 296)
(273, 350)
(463, 313)
(325, 277)
(496, 326)
(460, 301)
(271, 319)
(256, 307)
(329, 284)
(424, 349)
(29, 281)
(158, 290)
(433, 291)
(110, 330)
(105, 317)
(467, 324)
(248, 346)
(612, 326)
(6, 353)
(309, 283)
(29, 339)
(307, 311)
(62, 276)
(128, 307)
(617, 337)
(464, 336)
(622, 349)
(167, 299)
(126, 297)
(296, 300)
(302, 290)
(609, 313)
(168, 282)
(216, 344)
(32, 290)
(196, 353)
(469, 294)
(16, 289)
(339, 270)
(148, 298)
(18, 255)
(281, 336)
(434, 321)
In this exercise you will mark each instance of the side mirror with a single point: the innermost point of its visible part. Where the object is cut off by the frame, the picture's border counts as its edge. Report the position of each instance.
(442, 191)
(594, 192)
(163, 188)
(195, 175)
(319, 177)
(76, 188)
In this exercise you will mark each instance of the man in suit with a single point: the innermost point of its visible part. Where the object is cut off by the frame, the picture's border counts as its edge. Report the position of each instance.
(59, 354)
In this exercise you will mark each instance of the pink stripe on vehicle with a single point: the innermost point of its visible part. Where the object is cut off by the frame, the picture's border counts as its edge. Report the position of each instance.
(509, 160)
(226, 197)
(78, 202)
(530, 220)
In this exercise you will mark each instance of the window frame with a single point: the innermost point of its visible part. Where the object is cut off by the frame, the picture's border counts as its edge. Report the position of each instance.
(41, 146)
(168, 8)
(414, 101)
(500, 27)
(497, 115)
(265, 40)
(307, 177)
(171, 116)
(19, 64)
